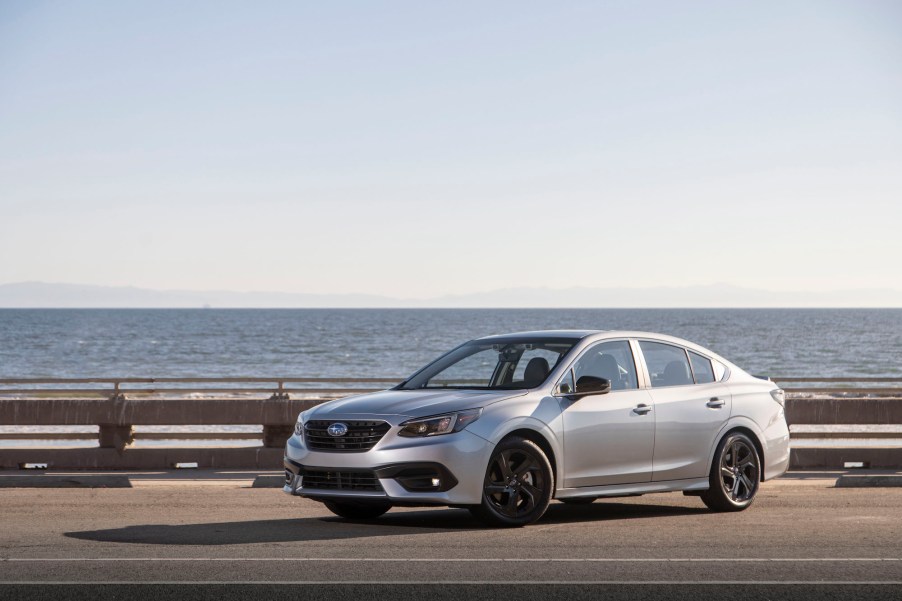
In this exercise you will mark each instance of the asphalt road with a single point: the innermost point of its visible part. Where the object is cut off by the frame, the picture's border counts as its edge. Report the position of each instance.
(801, 539)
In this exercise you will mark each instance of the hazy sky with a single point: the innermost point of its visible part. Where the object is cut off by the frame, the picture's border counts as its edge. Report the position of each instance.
(423, 148)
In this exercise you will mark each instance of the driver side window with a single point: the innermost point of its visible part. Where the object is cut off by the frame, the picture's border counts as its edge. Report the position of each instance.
(609, 360)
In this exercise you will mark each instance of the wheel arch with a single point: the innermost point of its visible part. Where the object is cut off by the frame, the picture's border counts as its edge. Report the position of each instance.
(755, 438)
(540, 441)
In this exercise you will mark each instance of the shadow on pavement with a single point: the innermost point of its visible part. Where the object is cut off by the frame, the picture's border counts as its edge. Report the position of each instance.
(261, 531)
(427, 521)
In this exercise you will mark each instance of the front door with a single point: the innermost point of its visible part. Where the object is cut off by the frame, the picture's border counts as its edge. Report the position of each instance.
(608, 438)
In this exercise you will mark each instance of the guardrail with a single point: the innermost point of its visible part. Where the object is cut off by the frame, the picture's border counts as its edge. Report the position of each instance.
(117, 387)
(122, 386)
(841, 414)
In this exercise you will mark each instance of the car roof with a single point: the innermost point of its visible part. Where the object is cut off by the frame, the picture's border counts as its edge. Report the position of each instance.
(544, 334)
(577, 335)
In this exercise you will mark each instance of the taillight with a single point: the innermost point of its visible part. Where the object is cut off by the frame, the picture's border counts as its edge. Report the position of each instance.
(779, 396)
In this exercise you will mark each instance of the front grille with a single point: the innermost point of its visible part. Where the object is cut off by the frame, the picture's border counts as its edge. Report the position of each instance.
(328, 480)
(361, 436)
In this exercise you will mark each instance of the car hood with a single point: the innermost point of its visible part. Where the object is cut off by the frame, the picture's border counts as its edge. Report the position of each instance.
(410, 403)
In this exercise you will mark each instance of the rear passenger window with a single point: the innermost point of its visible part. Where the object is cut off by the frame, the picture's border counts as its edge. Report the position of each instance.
(701, 368)
(667, 364)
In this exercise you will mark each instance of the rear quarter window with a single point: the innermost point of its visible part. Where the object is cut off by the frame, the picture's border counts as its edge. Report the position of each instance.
(701, 368)
(720, 370)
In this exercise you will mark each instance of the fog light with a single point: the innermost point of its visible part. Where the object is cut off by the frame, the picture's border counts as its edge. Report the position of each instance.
(423, 478)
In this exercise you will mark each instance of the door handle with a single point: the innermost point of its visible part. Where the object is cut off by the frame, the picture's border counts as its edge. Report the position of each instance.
(642, 408)
(715, 403)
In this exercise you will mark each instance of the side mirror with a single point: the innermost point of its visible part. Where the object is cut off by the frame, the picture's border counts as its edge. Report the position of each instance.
(588, 385)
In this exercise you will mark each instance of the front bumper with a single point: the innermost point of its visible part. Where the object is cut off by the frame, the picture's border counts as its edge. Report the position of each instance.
(376, 485)
(443, 470)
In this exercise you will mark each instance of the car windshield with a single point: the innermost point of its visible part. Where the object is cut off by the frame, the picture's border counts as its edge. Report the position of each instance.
(507, 364)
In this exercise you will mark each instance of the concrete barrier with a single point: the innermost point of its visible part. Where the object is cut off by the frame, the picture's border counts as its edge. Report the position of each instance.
(820, 458)
(869, 481)
(824, 411)
(116, 417)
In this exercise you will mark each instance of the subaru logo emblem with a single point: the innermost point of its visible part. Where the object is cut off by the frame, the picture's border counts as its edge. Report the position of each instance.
(337, 429)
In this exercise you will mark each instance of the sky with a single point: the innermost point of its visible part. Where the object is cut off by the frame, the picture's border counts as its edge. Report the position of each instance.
(415, 149)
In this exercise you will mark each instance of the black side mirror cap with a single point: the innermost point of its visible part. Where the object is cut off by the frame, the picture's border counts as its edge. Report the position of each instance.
(588, 385)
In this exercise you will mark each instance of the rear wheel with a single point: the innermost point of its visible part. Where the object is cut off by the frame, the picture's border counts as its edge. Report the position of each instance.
(357, 511)
(518, 484)
(735, 474)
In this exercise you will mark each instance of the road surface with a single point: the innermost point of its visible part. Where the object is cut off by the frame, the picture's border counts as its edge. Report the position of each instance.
(225, 540)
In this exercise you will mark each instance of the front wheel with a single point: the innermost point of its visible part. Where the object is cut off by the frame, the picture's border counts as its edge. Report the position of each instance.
(735, 474)
(518, 484)
(357, 511)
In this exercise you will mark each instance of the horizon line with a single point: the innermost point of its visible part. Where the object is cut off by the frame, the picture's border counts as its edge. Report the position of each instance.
(415, 308)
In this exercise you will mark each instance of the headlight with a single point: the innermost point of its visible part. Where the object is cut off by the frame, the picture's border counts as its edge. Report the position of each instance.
(299, 426)
(439, 424)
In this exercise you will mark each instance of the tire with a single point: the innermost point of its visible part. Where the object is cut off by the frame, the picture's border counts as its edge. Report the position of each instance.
(578, 500)
(518, 485)
(357, 511)
(735, 474)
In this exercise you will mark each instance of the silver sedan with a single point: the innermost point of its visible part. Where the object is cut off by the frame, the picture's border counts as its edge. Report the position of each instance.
(504, 424)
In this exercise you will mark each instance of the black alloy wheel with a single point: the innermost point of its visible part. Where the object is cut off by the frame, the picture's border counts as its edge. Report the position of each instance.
(357, 511)
(735, 474)
(518, 484)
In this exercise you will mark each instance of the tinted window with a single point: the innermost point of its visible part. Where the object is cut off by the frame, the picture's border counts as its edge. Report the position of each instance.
(474, 370)
(550, 359)
(510, 364)
(667, 364)
(701, 367)
(610, 360)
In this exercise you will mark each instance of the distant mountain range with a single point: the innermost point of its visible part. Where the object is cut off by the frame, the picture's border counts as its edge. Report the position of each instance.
(50, 295)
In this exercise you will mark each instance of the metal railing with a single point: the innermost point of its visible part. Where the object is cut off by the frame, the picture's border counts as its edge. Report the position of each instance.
(123, 386)
(841, 390)
(279, 387)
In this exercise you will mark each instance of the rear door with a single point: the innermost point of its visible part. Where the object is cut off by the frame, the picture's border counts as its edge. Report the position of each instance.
(691, 409)
(608, 438)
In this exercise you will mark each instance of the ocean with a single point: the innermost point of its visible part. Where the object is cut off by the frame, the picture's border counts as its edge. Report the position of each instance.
(79, 343)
